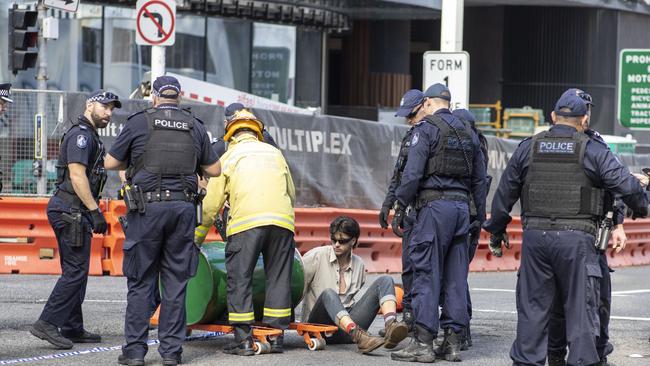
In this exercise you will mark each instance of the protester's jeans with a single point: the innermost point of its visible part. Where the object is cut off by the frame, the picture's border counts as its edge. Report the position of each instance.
(328, 308)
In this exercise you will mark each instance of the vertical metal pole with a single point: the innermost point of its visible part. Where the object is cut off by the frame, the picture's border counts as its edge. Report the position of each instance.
(451, 26)
(157, 62)
(41, 77)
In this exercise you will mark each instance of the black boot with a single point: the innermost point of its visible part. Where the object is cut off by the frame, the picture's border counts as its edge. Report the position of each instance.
(420, 349)
(243, 345)
(449, 348)
(556, 358)
(49, 332)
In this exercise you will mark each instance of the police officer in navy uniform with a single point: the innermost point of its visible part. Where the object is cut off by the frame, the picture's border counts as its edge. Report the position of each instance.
(561, 176)
(219, 145)
(74, 214)
(475, 224)
(411, 109)
(444, 172)
(163, 148)
(5, 98)
(557, 343)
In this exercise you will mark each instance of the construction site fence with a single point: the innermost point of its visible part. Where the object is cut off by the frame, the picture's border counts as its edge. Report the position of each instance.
(28, 244)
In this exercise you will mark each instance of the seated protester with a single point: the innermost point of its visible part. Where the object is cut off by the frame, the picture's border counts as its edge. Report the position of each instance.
(333, 276)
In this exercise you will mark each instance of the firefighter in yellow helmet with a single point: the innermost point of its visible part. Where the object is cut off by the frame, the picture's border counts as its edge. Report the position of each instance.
(256, 181)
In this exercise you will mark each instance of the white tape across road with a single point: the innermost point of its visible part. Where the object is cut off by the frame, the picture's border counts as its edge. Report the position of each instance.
(99, 350)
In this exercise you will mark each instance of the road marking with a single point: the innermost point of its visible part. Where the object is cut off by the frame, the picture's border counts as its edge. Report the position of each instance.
(151, 342)
(633, 318)
(630, 292)
(492, 289)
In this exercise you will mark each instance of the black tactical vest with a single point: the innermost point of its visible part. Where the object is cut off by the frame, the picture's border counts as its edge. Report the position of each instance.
(557, 194)
(454, 152)
(96, 173)
(169, 151)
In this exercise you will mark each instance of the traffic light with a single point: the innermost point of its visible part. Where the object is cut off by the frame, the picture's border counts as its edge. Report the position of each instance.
(23, 39)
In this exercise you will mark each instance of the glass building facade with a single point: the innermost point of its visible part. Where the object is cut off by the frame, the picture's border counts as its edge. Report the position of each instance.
(96, 49)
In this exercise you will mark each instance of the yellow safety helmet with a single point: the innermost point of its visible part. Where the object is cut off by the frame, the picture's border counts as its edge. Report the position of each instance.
(243, 119)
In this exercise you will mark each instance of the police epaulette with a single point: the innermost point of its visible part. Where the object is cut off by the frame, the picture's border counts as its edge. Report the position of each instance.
(135, 114)
(526, 139)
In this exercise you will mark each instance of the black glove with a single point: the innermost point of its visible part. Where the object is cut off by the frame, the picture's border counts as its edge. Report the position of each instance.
(383, 215)
(475, 228)
(99, 223)
(496, 240)
(398, 220)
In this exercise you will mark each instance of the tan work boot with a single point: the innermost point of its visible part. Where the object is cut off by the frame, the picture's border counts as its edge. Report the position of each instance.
(366, 342)
(395, 333)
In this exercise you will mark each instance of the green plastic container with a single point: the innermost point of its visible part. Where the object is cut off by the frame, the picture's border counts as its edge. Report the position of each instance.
(482, 114)
(205, 300)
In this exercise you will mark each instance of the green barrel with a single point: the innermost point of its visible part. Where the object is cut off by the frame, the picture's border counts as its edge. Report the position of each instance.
(205, 300)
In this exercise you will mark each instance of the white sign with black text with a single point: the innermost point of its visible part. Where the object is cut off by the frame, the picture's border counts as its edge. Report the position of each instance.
(451, 69)
(65, 5)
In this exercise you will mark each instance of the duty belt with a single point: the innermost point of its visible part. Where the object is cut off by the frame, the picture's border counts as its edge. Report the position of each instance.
(427, 195)
(166, 195)
(589, 226)
(70, 198)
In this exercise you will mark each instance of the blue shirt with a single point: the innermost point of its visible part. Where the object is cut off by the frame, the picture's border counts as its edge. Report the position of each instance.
(130, 144)
(601, 167)
(423, 146)
(80, 144)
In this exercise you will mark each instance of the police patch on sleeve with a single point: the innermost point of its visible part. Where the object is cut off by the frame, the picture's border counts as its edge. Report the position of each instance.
(415, 139)
(82, 141)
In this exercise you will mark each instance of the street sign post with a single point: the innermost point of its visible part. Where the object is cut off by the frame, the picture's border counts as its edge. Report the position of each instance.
(634, 88)
(65, 5)
(451, 69)
(155, 22)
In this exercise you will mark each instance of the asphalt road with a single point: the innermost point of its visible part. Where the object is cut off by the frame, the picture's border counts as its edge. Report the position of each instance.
(22, 298)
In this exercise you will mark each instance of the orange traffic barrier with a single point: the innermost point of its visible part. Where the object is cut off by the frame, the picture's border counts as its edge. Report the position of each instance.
(27, 241)
(28, 245)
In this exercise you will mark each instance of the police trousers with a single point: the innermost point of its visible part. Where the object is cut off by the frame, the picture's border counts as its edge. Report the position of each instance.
(63, 307)
(561, 264)
(438, 251)
(557, 342)
(407, 266)
(159, 245)
(243, 249)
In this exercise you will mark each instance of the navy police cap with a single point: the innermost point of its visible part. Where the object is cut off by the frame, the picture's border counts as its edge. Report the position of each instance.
(438, 91)
(104, 97)
(410, 100)
(5, 92)
(574, 102)
(166, 86)
(232, 108)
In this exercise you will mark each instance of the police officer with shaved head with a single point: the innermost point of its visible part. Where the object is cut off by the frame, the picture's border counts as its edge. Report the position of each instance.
(74, 214)
(162, 149)
(411, 110)
(561, 177)
(444, 173)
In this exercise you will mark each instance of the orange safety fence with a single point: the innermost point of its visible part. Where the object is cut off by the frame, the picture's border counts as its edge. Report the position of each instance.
(28, 245)
(27, 241)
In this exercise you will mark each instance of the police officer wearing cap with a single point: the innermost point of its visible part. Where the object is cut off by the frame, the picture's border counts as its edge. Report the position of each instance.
(561, 176)
(557, 343)
(444, 172)
(475, 224)
(411, 109)
(5, 98)
(73, 213)
(163, 148)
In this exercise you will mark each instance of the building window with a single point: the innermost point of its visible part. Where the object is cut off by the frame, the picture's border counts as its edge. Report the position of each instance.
(273, 62)
(91, 43)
